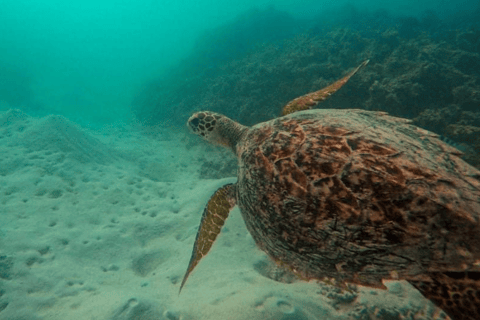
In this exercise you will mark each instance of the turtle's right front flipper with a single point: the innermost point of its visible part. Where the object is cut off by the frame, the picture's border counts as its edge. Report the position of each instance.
(313, 98)
(213, 218)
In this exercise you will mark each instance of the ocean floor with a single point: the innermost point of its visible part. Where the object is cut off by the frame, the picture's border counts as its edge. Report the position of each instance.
(99, 225)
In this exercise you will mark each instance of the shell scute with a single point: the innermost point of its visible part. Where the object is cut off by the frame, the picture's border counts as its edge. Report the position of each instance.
(362, 145)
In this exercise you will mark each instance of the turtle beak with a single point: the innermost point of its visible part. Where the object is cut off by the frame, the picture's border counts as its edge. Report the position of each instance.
(193, 124)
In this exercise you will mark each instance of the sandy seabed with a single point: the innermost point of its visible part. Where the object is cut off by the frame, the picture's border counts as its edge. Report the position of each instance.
(99, 225)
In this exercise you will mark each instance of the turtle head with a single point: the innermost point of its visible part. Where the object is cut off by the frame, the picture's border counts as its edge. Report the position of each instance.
(216, 128)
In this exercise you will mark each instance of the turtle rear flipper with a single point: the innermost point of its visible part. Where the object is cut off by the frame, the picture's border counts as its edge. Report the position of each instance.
(456, 293)
(213, 219)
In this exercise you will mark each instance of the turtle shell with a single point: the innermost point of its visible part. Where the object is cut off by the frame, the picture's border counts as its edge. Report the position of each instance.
(358, 196)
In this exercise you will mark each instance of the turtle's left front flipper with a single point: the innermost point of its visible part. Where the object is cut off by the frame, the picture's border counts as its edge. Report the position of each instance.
(213, 218)
(456, 293)
(311, 99)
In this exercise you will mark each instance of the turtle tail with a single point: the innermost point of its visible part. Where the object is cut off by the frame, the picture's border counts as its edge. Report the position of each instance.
(456, 293)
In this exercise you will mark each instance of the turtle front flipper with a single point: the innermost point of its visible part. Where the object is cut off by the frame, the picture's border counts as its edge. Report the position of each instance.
(309, 100)
(456, 293)
(213, 218)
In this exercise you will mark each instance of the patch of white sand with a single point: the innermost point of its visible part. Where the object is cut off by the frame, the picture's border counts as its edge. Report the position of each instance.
(100, 225)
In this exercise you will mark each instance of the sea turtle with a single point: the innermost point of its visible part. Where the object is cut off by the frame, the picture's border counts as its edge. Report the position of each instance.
(352, 195)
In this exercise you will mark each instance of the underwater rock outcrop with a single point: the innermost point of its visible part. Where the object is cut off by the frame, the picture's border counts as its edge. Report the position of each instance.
(413, 72)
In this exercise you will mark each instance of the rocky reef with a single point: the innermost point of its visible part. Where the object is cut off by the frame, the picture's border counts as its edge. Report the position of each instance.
(420, 68)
